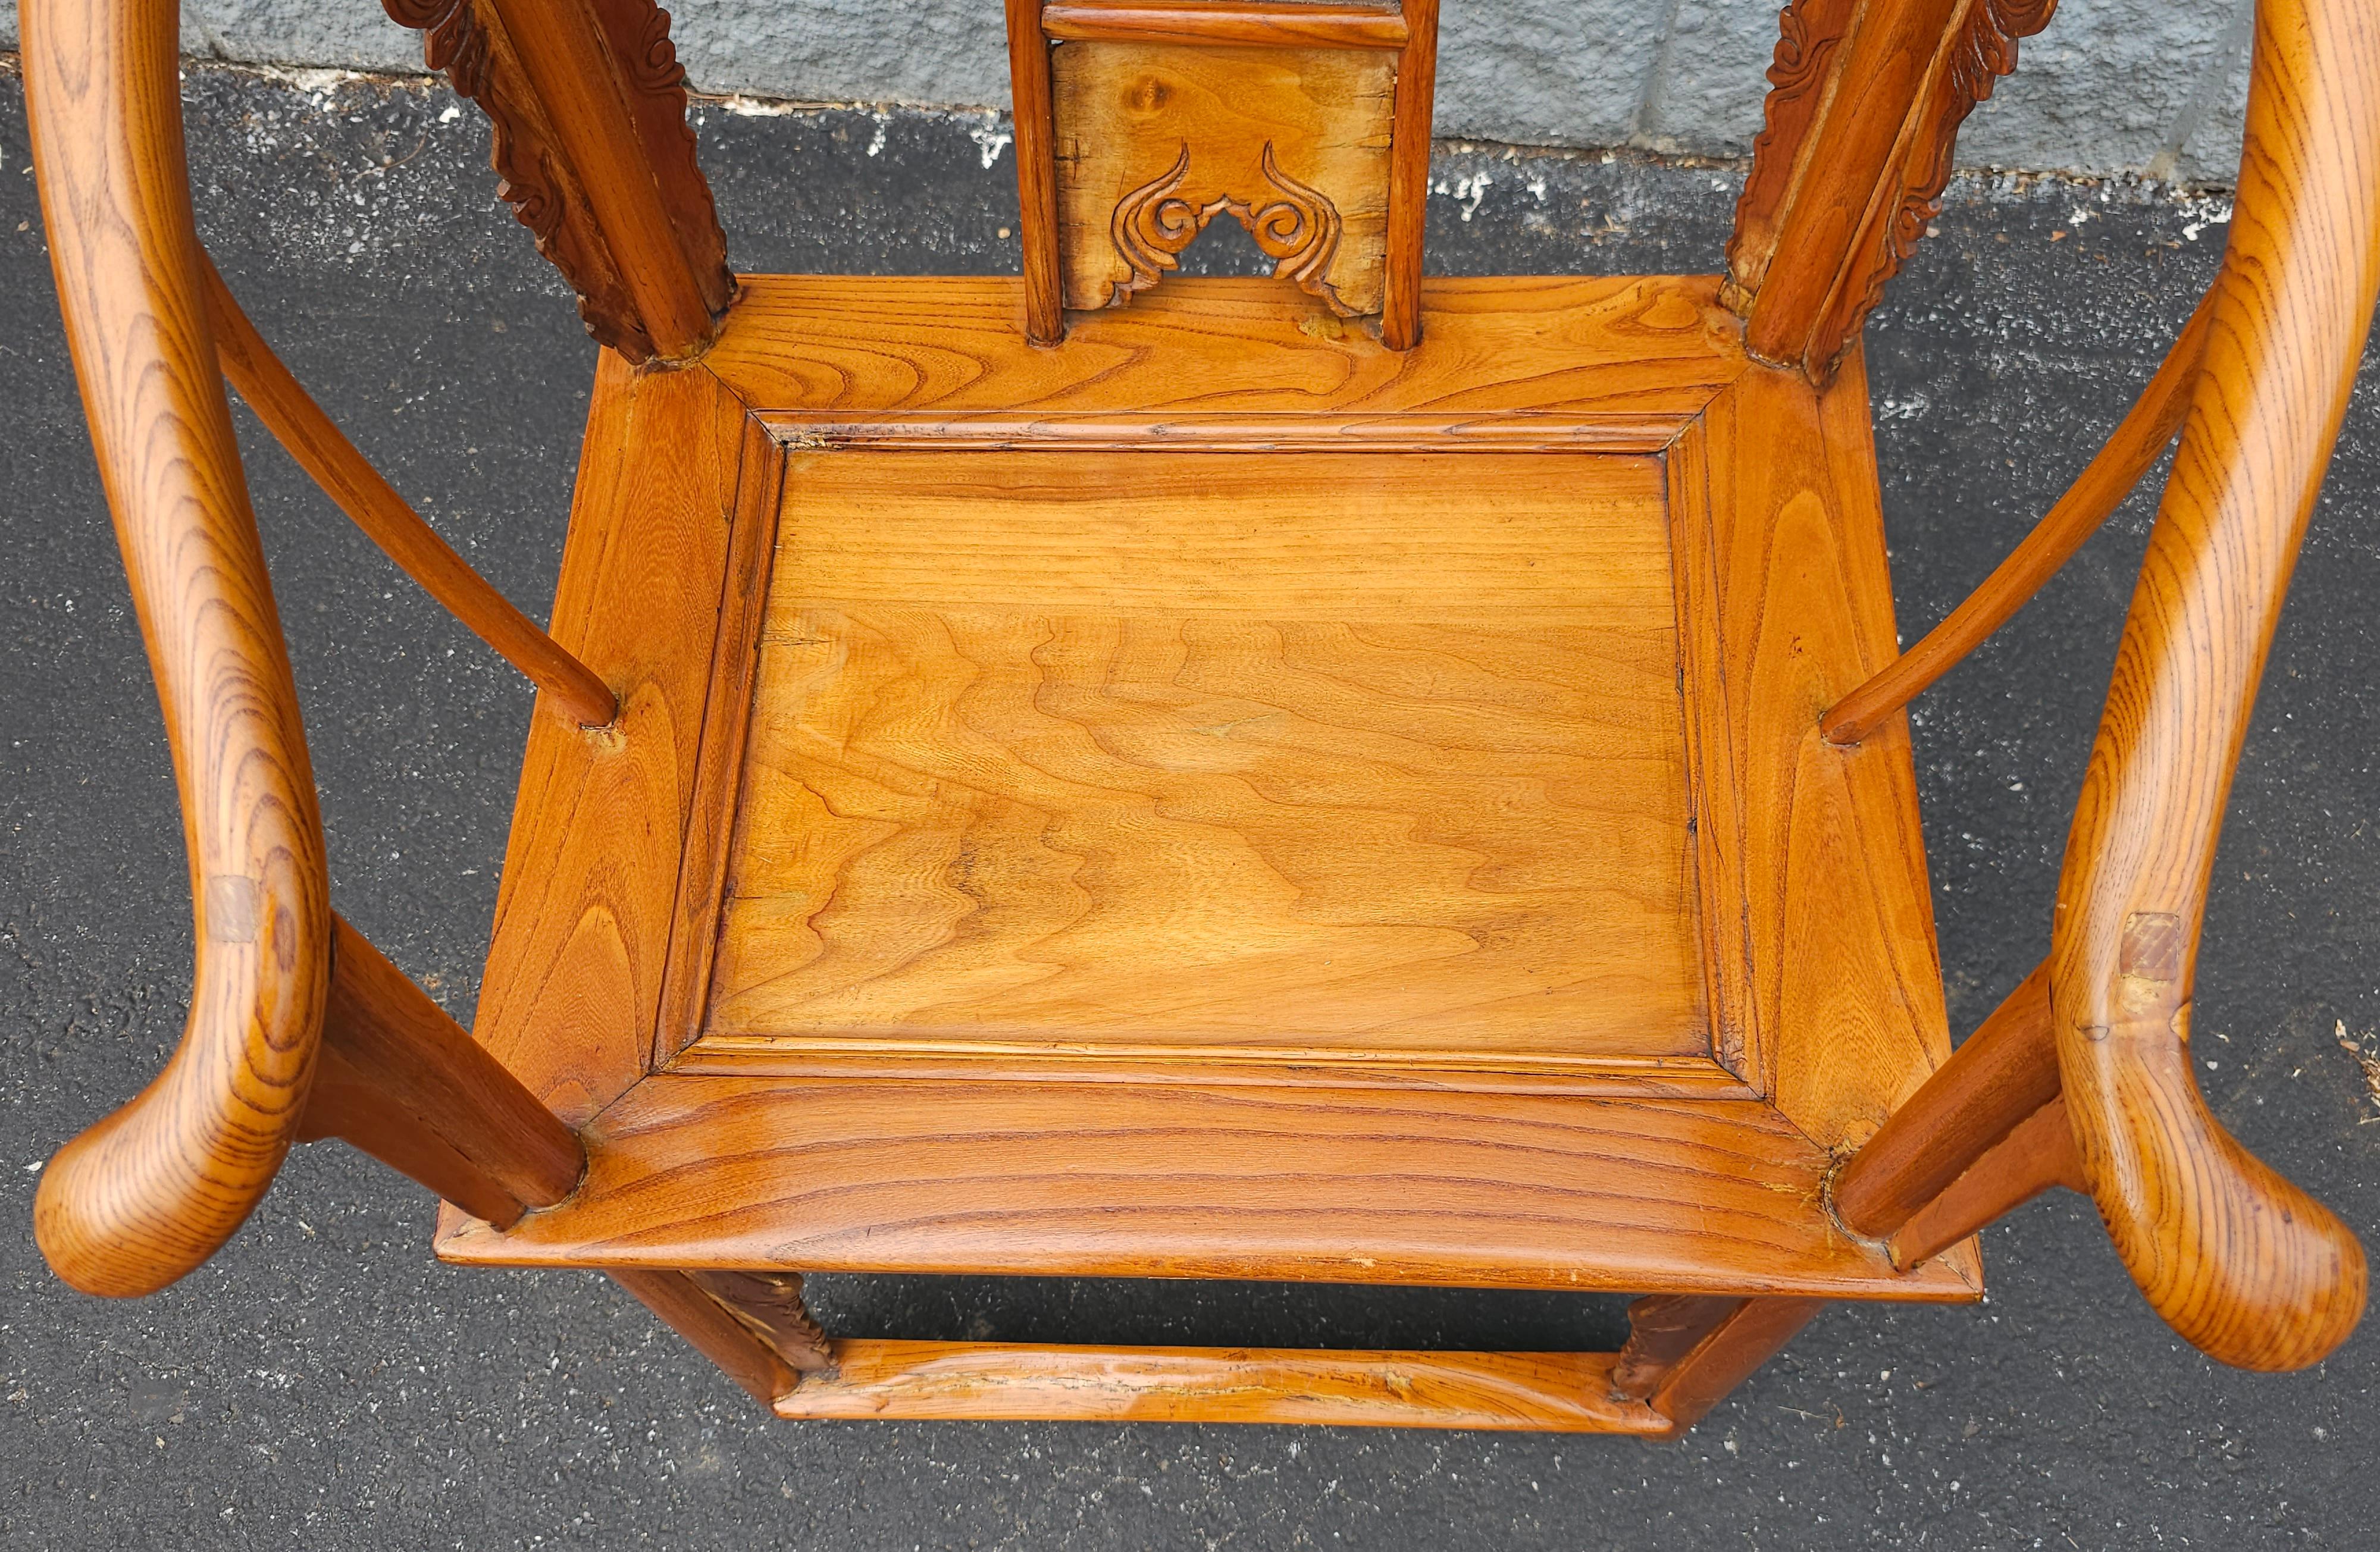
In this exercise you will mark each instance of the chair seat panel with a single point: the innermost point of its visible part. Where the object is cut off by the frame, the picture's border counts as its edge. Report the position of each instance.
(1310, 750)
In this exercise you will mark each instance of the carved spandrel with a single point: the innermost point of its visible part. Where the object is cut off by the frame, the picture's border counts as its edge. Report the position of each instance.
(467, 42)
(1155, 141)
(1296, 227)
(769, 1307)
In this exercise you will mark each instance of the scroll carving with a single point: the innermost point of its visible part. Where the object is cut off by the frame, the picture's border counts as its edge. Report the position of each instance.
(1838, 61)
(466, 41)
(1298, 229)
(1152, 141)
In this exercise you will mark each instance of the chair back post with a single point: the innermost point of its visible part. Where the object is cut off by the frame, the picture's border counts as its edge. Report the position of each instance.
(588, 103)
(152, 1191)
(1865, 103)
(298, 1028)
(2236, 1258)
(2083, 1078)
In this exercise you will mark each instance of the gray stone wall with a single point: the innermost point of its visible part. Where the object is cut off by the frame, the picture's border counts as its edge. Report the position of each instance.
(2113, 86)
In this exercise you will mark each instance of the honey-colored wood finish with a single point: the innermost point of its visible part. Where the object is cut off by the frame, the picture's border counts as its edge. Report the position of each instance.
(1037, 171)
(712, 1329)
(1218, 790)
(1748, 1335)
(1597, 362)
(152, 1191)
(403, 1083)
(579, 81)
(2037, 1153)
(1400, 293)
(1140, 121)
(2236, 1258)
(588, 103)
(2137, 443)
(1566, 1393)
(1257, 1180)
(348, 478)
(2005, 1071)
(1814, 863)
(915, 683)
(1282, 23)
(1304, 751)
(1154, 141)
(585, 917)
(1865, 103)
(769, 1306)
(1662, 1330)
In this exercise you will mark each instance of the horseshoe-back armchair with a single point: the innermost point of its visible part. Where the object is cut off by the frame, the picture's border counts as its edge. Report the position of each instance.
(1352, 776)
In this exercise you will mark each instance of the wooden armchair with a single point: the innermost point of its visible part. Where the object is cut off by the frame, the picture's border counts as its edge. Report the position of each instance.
(1353, 777)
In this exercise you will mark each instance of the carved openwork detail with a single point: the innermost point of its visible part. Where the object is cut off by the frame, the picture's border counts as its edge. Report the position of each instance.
(1831, 211)
(1153, 141)
(1848, 224)
(465, 40)
(1298, 228)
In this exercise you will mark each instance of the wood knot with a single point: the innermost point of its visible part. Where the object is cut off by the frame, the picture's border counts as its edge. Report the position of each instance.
(1147, 95)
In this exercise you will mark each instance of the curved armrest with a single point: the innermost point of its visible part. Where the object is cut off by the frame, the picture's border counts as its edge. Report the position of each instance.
(2246, 1267)
(148, 1194)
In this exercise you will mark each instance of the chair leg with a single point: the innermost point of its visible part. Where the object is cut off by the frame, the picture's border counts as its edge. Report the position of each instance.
(769, 1306)
(753, 1325)
(712, 1329)
(1662, 1330)
(1686, 1352)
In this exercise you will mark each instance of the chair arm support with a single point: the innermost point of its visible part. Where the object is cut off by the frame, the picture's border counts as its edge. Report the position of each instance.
(2236, 1258)
(149, 1193)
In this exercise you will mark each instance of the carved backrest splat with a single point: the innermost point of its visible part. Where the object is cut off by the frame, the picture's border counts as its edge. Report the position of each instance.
(1138, 124)
(606, 255)
(1864, 107)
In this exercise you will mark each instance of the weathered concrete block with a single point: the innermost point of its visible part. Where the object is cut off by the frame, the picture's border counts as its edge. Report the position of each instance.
(2100, 88)
(1713, 77)
(2206, 147)
(945, 53)
(1543, 72)
(2112, 86)
(338, 34)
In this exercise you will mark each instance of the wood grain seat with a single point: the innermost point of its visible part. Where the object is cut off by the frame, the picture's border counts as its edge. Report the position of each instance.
(1110, 803)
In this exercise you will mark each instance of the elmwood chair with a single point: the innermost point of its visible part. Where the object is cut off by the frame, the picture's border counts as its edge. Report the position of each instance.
(1346, 777)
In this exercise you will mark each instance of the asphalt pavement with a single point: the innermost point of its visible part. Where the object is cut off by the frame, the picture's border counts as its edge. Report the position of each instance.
(324, 1384)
